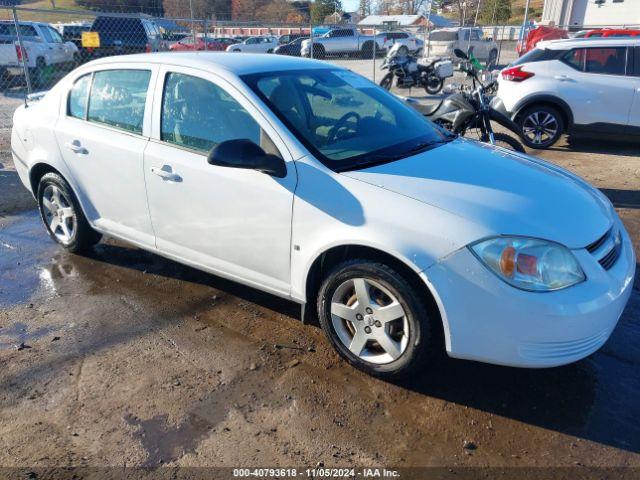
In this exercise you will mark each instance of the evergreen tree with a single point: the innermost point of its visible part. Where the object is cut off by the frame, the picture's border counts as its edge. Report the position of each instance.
(495, 12)
(320, 9)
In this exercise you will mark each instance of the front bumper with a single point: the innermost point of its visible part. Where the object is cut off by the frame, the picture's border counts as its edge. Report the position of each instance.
(486, 319)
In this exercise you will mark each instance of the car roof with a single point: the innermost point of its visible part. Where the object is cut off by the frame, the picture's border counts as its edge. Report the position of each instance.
(236, 63)
(589, 42)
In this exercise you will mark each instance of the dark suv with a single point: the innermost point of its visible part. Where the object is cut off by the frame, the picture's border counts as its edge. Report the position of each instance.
(124, 35)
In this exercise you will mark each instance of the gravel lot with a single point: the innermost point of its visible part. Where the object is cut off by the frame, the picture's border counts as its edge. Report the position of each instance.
(129, 359)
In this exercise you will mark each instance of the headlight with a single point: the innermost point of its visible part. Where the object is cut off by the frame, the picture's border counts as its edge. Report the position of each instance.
(529, 263)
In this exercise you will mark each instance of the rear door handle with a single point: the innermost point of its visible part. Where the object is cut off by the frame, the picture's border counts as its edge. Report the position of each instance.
(165, 173)
(76, 147)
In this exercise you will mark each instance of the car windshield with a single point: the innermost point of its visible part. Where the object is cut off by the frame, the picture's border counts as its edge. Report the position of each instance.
(345, 120)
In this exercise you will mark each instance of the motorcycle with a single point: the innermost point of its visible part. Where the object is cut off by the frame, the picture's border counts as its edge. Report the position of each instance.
(428, 73)
(468, 110)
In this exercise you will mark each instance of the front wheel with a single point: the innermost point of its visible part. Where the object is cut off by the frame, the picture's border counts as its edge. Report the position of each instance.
(433, 84)
(387, 81)
(375, 319)
(507, 141)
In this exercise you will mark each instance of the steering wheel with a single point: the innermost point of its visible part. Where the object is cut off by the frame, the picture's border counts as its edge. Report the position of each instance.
(342, 124)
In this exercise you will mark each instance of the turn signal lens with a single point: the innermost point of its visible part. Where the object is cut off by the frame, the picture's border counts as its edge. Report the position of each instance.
(530, 263)
(516, 74)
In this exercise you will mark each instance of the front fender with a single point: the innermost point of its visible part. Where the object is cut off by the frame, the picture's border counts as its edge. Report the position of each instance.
(503, 120)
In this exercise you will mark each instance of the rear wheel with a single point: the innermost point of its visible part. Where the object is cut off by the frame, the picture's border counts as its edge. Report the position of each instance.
(493, 57)
(375, 319)
(541, 126)
(62, 215)
(387, 81)
(433, 84)
(367, 50)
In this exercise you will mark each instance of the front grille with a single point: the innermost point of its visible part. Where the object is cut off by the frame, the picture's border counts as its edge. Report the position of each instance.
(607, 248)
(598, 243)
(610, 258)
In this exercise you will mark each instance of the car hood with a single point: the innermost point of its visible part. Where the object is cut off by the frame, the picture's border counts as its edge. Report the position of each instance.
(507, 193)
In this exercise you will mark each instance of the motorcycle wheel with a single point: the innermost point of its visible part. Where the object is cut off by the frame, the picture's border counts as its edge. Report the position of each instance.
(386, 81)
(433, 85)
(506, 141)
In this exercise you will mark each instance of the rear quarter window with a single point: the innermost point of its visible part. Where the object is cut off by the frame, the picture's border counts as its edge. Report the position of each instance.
(539, 55)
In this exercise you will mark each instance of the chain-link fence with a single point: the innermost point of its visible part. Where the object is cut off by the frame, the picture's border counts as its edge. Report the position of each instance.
(39, 46)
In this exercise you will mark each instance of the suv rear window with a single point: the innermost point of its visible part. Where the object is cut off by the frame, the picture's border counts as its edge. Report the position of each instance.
(605, 60)
(538, 55)
(444, 36)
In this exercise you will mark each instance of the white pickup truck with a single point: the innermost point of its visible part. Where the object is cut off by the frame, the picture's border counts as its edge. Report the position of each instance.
(43, 50)
(339, 41)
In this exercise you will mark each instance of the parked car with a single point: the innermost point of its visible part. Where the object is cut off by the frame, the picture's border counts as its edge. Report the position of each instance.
(539, 34)
(340, 41)
(187, 44)
(470, 40)
(611, 32)
(310, 182)
(72, 32)
(126, 35)
(408, 43)
(43, 51)
(290, 37)
(292, 49)
(255, 45)
(580, 86)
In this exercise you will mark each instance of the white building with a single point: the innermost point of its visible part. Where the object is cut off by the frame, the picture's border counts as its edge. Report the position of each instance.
(592, 13)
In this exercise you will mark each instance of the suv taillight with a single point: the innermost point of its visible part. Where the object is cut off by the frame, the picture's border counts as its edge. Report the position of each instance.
(21, 52)
(516, 74)
(148, 48)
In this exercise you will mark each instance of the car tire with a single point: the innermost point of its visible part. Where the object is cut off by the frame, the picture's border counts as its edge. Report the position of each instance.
(493, 57)
(375, 342)
(540, 126)
(318, 52)
(62, 215)
(38, 74)
(367, 51)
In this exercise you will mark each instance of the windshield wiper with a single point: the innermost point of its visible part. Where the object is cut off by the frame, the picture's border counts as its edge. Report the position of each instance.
(380, 158)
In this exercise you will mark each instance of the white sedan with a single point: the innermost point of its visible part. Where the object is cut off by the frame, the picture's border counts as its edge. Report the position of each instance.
(310, 182)
(255, 45)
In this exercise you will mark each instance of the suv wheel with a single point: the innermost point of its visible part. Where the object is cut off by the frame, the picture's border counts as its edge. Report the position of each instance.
(62, 215)
(375, 319)
(540, 126)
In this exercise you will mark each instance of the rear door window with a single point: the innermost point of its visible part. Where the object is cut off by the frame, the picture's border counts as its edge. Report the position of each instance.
(118, 98)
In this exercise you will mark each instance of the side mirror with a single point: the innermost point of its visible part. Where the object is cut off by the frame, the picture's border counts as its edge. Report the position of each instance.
(460, 54)
(243, 153)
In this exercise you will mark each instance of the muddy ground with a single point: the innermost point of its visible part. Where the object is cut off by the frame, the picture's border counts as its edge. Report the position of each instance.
(123, 358)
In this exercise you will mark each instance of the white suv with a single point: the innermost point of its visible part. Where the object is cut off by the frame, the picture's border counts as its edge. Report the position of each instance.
(588, 86)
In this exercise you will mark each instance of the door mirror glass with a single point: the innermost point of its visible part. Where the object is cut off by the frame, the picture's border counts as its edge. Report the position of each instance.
(243, 153)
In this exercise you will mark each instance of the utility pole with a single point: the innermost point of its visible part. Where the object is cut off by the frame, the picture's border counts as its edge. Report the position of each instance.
(524, 20)
(193, 23)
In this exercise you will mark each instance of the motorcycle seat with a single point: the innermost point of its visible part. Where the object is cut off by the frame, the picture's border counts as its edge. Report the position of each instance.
(427, 62)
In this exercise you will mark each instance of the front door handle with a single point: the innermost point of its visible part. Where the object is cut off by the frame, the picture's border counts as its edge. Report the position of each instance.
(166, 173)
(76, 147)
(562, 78)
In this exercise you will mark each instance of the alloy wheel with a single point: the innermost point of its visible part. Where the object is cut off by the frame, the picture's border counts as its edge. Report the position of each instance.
(369, 320)
(540, 128)
(59, 214)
